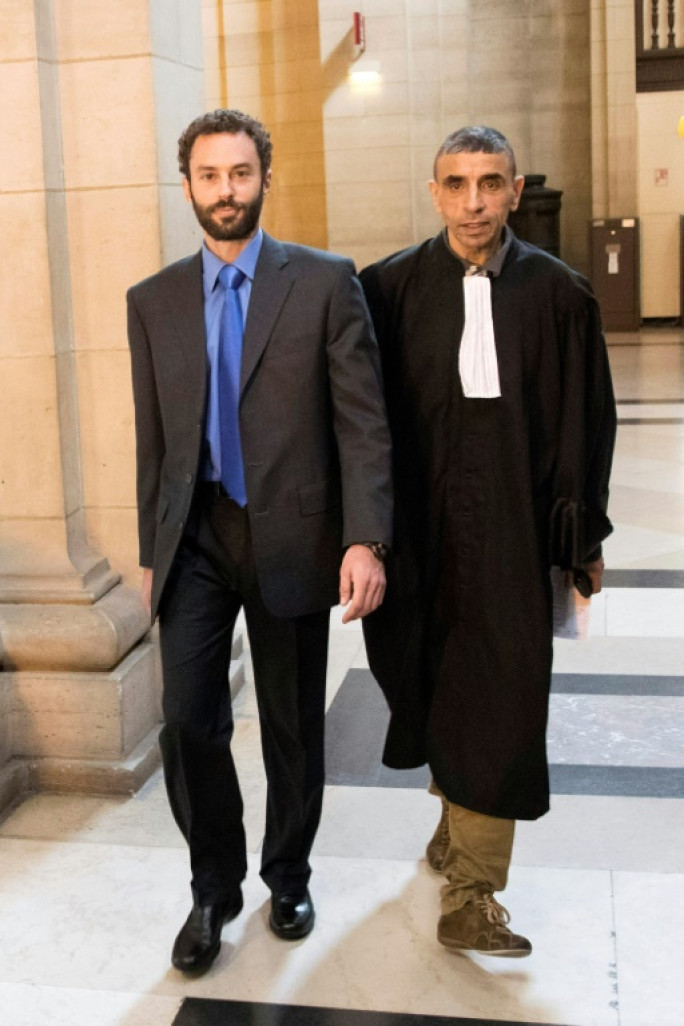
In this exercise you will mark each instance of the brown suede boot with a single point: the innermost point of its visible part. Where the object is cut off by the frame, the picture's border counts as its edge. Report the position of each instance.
(481, 925)
(439, 842)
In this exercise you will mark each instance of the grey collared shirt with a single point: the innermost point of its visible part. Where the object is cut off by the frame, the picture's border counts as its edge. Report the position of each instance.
(493, 265)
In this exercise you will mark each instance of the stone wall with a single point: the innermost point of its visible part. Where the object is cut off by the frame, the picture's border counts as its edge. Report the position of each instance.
(87, 92)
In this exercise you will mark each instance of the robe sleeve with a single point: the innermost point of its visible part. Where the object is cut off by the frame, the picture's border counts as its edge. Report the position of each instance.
(370, 282)
(579, 520)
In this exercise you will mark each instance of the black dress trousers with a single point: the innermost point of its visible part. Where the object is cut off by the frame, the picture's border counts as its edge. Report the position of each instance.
(212, 577)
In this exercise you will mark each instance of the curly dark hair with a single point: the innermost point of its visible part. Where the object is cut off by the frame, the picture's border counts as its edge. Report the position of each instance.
(476, 139)
(232, 122)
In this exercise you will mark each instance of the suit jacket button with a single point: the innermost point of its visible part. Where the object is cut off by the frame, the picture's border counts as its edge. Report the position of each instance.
(188, 478)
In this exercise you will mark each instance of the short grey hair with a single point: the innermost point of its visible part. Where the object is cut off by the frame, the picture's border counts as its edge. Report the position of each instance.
(476, 139)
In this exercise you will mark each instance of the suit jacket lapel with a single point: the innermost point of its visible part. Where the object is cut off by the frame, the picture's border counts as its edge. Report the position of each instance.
(272, 282)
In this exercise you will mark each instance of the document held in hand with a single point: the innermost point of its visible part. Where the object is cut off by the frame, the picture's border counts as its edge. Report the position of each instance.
(570, 609)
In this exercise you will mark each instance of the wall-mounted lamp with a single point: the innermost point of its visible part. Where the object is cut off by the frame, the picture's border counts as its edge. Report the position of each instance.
(680, 127)
(365, 72)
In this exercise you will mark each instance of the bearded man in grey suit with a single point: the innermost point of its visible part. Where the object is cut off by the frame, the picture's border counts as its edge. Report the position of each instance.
(263, 483)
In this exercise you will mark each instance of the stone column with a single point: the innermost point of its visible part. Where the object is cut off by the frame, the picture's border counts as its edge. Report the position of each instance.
(94, 97)
(613, 109)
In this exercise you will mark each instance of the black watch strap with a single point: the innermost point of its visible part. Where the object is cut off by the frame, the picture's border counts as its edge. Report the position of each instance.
(379, 550)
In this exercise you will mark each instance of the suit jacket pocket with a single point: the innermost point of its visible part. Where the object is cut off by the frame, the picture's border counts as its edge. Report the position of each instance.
(315, 498)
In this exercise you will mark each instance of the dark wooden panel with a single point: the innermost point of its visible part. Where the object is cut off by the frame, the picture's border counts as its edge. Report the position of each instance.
(616, 281)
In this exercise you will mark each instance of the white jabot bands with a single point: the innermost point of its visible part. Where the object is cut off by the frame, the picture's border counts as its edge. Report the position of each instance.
(477, 361)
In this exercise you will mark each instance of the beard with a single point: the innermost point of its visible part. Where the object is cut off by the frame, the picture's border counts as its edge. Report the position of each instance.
(241, 226)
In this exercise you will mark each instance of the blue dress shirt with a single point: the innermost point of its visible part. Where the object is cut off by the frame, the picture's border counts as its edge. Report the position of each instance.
(213, 308)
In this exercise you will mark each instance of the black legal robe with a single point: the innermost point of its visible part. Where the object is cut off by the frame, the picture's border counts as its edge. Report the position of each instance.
(489, 493)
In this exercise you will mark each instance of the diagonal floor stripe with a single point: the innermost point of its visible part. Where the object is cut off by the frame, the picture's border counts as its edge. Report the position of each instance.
(616, 684)
(356, 725)
(618, 781)
(206, 1012)
(643, 579)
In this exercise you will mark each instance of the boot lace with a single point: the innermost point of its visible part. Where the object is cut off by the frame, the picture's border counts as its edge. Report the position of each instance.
(495, 913)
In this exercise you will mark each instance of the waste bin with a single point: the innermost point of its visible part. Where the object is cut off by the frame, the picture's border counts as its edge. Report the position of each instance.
(537, 219)
(614, 247)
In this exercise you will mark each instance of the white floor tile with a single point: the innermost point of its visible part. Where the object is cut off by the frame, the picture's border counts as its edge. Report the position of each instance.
(31, 1005)
(616, 730)
(143, 819)
(645, 612)
(598, 611)
(102, 918)
(343, 650)
(645, 411)
(377, 822)
(664, 476)
(660, 442)
(375, 948)
(647, 509)
(580, 831)
(655, 656)
(648, 913)
(635, 548)
(598, 832)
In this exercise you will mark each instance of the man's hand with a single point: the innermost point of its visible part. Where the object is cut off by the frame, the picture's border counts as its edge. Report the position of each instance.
(146, 589)
(595, 571)
(362, 582)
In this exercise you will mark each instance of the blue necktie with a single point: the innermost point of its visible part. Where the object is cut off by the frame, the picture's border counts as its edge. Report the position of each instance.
(230, 359)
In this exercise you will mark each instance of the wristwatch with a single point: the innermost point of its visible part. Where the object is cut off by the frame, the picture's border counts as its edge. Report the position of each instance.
(379, 550)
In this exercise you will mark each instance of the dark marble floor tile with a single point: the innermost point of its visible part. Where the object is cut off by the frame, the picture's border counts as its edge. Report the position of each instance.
(616, 684)
(356, 725)
(618, 781)
(643, 579)
(205, 1012)
(650, 420)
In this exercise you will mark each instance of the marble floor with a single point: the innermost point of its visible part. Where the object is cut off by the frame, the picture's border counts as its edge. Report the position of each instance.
(93, 890)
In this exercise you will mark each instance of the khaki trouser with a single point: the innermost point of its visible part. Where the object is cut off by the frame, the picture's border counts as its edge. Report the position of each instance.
(478, 855)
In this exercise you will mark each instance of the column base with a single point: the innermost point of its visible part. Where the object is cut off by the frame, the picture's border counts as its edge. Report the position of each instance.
(95, 776)
(80, 732)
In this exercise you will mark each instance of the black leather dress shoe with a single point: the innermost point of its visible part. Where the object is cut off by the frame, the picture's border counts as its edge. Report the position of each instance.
(199, 941)
(291, 917)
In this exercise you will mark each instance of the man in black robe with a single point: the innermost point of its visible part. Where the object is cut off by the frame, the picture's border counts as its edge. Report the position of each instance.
(503, 420)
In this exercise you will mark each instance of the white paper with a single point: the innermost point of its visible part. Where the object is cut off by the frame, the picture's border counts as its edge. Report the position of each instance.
(613, 264)
(570, 609)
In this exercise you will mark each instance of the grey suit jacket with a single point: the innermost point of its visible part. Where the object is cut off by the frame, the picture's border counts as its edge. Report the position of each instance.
(315, 441)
